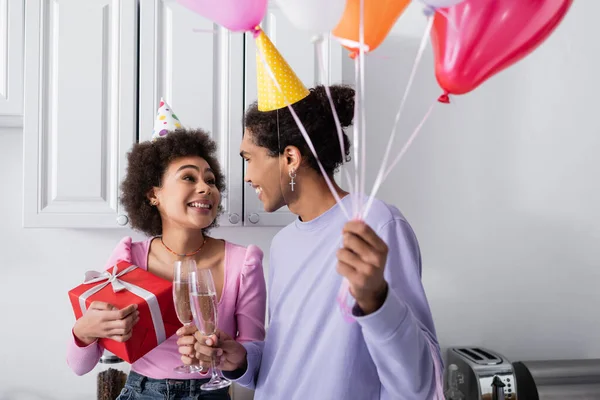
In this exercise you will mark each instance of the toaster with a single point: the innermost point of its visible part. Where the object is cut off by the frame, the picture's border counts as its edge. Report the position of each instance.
(481, 374)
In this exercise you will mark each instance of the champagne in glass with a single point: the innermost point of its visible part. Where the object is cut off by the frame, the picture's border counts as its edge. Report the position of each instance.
(203, 299)
(181, 293)
(181, 298)
(206, 310)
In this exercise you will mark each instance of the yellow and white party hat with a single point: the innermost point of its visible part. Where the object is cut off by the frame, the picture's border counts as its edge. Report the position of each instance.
(165, 121)
(270, 97)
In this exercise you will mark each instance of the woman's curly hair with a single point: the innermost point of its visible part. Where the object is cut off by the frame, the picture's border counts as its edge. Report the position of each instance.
(147, 163)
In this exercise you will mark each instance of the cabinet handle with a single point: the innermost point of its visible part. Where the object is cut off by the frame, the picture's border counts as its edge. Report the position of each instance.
(234, 218)
(122, 220)
(254, 218)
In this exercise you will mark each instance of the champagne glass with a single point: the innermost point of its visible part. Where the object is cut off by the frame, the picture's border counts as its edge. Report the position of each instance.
(203, 299)
(181, 298)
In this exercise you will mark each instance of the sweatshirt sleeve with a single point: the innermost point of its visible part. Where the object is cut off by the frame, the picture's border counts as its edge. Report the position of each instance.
(401, 335)
(81, 358)
(247, 378)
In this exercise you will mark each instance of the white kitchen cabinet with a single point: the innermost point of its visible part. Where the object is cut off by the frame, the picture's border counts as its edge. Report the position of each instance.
(95, 71)
(299, 51)
(80, 109)
(198, 68)
(11, 63)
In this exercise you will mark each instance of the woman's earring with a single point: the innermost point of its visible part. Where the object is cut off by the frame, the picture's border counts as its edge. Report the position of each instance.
(154, 202)
(292, 177)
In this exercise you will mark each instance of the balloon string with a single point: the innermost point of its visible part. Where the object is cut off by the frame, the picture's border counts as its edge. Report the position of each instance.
(409, 141)
(320, 49)
(344, 298)
(402, 152)
(345, 301)
(420, 52)
(363, 126)
(304, 134)
(438, 370)
(356, 143)
(429, 11)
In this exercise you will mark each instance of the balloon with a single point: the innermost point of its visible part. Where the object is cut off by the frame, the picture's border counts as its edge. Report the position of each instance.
(488, 37)
(441, 3)
(379, 18)
(235, 15)
(317, 16)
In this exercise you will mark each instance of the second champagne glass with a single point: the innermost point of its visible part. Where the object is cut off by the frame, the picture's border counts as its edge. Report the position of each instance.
(203, 299)
(181, 298)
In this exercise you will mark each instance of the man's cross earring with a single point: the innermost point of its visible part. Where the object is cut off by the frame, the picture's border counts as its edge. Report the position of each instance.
(293, 178)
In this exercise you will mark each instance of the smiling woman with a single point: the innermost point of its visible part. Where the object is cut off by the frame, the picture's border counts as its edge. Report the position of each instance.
(172, 192)
(177, 162)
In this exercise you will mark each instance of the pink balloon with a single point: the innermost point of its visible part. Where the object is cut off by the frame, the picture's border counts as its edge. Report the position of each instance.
(235, 15)
(488, 37)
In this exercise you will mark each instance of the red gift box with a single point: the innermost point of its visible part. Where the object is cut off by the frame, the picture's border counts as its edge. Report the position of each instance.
(126, 284)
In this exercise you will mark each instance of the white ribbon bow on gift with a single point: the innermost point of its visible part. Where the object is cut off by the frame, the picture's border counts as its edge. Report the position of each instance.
(119, 285)
(113, 279)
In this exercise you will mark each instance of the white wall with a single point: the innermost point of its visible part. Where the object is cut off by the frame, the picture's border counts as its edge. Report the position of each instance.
(502, 189)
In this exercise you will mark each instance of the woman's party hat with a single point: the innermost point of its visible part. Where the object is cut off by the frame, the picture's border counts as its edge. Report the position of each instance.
(166, 120)
(270, 97)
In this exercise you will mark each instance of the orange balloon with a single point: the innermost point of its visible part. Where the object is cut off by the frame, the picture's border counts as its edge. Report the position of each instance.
(379, 17)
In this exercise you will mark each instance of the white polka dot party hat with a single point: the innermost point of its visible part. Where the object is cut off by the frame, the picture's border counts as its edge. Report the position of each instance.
(165, 121)
(270, 97)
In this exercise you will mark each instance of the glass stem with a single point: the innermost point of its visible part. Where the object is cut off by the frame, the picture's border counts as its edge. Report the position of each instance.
(214, 371)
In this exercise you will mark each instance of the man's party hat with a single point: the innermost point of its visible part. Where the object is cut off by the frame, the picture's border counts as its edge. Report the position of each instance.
(166, 120)
(269, 96)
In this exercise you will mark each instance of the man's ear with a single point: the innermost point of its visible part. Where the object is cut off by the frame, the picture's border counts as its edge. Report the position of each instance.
(293, 157)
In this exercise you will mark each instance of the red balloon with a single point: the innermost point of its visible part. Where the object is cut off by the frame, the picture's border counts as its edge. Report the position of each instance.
(476, 39)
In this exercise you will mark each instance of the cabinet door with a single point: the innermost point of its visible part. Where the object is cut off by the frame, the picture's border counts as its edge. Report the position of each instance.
(11, 63)
(298, 50)
(80, 109)
(198, 68)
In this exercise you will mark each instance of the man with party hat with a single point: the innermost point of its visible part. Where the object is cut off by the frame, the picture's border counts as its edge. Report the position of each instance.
(165, 121)
(374, 338)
